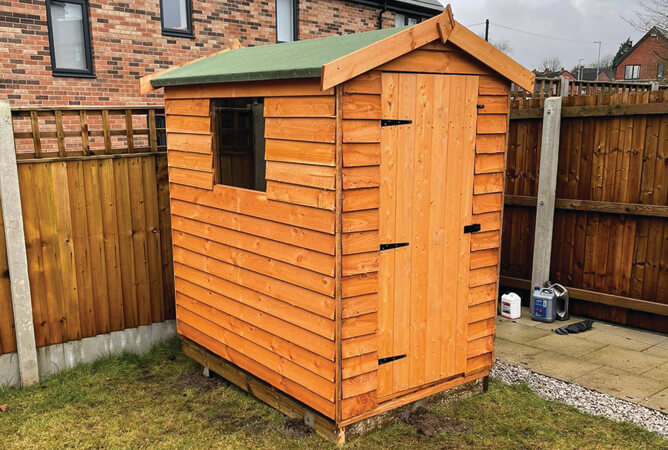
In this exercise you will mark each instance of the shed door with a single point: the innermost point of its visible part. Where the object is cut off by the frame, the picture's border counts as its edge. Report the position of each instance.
(426, 195)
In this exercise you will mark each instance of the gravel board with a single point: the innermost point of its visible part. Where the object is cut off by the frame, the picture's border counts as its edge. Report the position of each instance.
(585, 400)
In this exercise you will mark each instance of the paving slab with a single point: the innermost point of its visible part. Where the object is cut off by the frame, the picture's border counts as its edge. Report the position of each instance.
(524, 320)
(657, 350)
(517, 332)
(657, 401)
(621, 384)
(658, 373)
(514, 353)
(603, 337)
(561, 367)
(649, 337)
(567, 345)
(623, 359)
(551, 326)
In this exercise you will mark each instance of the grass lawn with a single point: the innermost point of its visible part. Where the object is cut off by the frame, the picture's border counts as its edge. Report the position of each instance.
(160, 400)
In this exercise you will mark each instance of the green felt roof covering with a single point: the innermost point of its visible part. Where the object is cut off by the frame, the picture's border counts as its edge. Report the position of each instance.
(299, 59)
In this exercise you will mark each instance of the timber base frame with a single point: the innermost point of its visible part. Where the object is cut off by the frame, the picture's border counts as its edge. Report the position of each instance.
(397, 408)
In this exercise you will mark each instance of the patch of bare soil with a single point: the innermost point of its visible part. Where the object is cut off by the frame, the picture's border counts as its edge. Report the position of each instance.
(195, 380)
(430, 424)
(296, 428)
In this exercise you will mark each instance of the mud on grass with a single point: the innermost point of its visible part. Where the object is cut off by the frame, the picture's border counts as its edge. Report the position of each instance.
(161, 400)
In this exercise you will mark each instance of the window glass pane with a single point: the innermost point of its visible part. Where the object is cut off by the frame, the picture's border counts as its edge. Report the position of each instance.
(399, 20)
(636, 72)
(175, 15)
(628, 72)
(285, 16)
(412, 21)
(68, 35)
(659, 71)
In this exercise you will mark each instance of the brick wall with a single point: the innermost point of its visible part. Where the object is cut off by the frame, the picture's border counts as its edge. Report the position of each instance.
(649, 54)
(128, 43)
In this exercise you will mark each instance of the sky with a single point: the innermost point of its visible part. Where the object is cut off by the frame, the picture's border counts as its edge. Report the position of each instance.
(583, 21)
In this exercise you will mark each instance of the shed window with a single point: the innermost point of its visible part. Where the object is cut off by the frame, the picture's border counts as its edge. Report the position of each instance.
(239, 143)
(176, 18)
(69, 38)
(632, 72)
(286, 20)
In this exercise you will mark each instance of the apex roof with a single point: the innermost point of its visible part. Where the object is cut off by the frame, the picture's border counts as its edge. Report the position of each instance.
(336, 59)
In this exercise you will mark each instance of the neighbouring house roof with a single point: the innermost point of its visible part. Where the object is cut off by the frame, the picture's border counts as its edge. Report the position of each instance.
(336, 59)
(589, 73)
(421, 7)
(298, 59)
(654, 31)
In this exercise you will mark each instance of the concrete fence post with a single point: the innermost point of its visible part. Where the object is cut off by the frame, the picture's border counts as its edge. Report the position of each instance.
(563, 89)
(547, 186)
(16, 251)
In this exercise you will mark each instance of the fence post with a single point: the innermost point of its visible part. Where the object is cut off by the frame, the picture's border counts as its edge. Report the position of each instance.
(16, 251)
(547, 185)
(563, 89)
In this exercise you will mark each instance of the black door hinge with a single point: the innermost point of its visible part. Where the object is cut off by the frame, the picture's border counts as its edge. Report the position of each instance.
(392, 122)
(481, 106)
(473, 228)
(389, 359)
(393, 245)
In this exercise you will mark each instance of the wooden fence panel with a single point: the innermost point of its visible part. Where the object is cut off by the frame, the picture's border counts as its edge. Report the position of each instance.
(606, 237)
(96, 216)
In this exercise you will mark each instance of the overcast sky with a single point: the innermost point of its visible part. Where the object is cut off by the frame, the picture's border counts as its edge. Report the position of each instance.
(577, 20)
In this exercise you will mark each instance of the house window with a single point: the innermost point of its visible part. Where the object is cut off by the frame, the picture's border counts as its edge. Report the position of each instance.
(239, 143)
(286, 20)
(659, 71)
(401, 20)
(69, 38)
(176, 18)
(632, 72)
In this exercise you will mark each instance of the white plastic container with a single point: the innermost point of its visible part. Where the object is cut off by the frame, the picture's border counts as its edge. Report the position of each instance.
(511, 305)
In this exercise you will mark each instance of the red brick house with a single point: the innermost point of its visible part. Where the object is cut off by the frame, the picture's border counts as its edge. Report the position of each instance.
(87, 52)
(647, 59)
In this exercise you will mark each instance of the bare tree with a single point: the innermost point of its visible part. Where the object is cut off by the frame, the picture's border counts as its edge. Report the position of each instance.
(551, 64)
(605, 63)
(503, 45)
(648, 14)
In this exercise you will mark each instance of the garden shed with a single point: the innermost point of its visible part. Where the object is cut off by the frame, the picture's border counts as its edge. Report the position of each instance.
(336, 213)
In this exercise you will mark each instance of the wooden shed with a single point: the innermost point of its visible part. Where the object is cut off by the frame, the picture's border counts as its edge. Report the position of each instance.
(336, 213)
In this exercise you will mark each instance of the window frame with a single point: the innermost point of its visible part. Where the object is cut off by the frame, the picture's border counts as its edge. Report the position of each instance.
(632, 67)
(295, 20)
(173, 32)
(406, 17)
(88, 46)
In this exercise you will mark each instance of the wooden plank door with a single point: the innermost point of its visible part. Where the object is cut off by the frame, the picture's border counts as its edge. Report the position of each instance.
(426, 195)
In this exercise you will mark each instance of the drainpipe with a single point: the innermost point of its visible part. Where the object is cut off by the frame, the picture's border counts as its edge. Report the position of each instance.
(380, 15)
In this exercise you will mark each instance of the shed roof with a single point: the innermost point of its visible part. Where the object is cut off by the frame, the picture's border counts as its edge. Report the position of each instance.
(298, 59)
(336, 59)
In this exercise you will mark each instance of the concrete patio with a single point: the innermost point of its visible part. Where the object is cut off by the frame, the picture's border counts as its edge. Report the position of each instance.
(624, 362)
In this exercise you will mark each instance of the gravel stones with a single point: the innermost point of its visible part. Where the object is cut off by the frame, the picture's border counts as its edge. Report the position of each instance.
(585, 400)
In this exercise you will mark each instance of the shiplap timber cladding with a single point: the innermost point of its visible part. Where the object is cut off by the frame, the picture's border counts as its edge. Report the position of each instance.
(256, 272)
